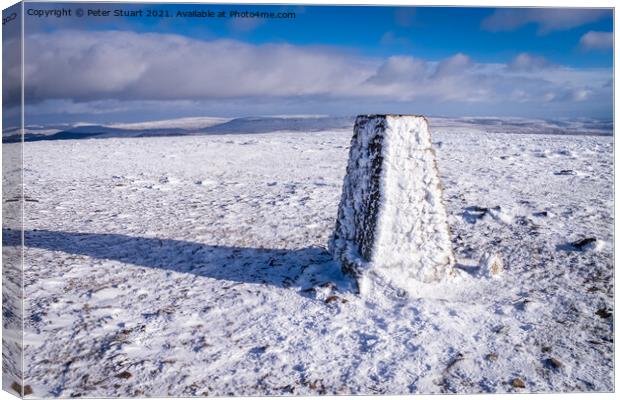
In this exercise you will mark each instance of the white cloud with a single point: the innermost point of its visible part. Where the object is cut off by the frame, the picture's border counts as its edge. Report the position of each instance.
(115, 69)
(581, 94)
(457, 64)
(399, 70)
(528, 62)
(89, 65)
(547, 19)
(597, 40)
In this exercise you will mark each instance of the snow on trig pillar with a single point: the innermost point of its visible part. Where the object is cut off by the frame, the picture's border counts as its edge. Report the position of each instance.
(391, 218)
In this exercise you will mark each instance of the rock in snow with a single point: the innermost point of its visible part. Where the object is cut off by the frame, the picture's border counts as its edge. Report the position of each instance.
(391, 219)
(491, 265)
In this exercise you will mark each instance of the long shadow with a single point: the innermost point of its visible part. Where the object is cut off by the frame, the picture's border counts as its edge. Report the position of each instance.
(301, 268)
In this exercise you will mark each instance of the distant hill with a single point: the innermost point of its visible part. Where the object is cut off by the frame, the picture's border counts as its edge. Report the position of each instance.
(274, 124)
(185, 126)
(310, 123)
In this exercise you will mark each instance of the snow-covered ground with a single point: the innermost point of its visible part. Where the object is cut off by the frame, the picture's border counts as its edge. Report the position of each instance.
(198, 266)
(186, 123)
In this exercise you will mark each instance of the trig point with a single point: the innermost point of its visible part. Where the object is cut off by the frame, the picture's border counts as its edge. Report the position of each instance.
(391, 218)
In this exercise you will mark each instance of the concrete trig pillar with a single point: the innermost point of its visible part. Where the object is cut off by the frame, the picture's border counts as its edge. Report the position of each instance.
(391, 218)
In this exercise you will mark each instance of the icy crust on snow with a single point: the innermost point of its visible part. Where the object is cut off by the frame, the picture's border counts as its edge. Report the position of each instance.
(391, 219)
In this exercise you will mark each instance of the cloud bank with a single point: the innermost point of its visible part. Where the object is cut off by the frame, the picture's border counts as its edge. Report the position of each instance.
(118, 68)
(547, 19)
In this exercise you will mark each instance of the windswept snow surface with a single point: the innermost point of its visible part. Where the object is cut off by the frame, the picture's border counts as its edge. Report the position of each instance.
(197, 266)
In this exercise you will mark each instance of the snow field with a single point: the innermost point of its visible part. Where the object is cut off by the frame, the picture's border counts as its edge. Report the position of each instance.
(142, 281)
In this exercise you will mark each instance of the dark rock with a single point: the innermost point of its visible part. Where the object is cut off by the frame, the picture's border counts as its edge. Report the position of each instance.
(26, 390)
(553, 363)
(603, 313)
(582, 243)
(565, 172)
(258, 350)
(517, 383)
(124, 375)
(334, 298)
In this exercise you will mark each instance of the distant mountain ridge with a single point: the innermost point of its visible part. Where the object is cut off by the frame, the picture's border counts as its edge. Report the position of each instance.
(311, 123)
(274, 124)
(150, 129)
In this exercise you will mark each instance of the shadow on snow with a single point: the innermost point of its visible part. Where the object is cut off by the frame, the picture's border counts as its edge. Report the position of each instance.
(302, 268)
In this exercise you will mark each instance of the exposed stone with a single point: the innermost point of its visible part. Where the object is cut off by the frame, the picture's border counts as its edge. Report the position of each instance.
(124, 375)
(553, 363)
(491, 265)
(603, 313)
(583, 243)
(23, 391)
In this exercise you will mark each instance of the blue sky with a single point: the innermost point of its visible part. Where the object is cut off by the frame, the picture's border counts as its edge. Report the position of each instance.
(327, 60)
(427, 32)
